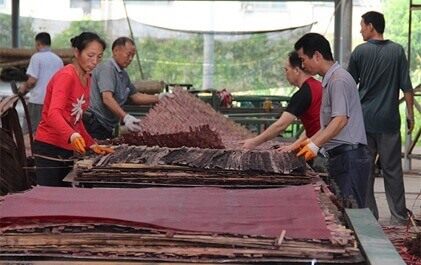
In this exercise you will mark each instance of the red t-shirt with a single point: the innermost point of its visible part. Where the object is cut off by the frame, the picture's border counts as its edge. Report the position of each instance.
(305, 104)
(65, 101)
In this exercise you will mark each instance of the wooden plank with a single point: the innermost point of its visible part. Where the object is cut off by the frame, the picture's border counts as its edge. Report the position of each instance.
(376, 247)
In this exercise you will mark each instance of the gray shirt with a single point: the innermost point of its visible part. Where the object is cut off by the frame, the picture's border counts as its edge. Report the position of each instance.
(340, 97)
(381, 69)
(108, 76)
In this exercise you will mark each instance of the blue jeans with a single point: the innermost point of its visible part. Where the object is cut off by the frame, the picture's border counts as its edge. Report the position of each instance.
(350, 170)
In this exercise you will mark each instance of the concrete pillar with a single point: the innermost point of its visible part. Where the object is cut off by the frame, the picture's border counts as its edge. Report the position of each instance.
(343, 31)
(208, 62)
(346, 32)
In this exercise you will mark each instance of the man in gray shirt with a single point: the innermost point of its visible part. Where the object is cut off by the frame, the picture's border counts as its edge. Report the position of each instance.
(342, 133)
(381, 69)
(110, 89)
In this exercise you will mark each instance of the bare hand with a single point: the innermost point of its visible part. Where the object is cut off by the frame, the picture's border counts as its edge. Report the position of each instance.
(248, 144)
(285, 148)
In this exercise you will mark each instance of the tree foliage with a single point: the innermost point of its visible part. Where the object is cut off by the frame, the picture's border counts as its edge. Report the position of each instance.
(27, 34)
(62, 40)
(397, 27)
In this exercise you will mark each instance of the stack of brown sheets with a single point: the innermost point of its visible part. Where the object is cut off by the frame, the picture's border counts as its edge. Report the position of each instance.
(174, 224)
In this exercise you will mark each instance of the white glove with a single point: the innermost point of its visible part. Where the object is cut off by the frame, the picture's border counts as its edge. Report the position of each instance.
(165, 94)
(313, 147)
(132, 123)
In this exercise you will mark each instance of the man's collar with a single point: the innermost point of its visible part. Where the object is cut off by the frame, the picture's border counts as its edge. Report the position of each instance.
(329, 73)
(116, 65)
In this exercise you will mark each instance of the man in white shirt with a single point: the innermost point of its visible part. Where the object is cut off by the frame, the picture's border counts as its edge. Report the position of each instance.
(42, 66)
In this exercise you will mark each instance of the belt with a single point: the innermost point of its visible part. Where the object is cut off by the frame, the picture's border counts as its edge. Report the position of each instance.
(339, 150)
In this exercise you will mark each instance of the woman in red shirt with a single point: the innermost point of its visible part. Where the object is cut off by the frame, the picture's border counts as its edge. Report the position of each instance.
(61, 130)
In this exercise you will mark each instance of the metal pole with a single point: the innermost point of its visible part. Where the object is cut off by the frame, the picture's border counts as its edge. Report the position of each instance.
(15, 24)
(132, 36)
(337, 32)
(408, 138)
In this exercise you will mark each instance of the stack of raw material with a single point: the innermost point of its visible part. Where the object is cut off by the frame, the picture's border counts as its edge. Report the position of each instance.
(14, 57)
(201, 137)
(185, 115)
(202, 147)
(140, 165)
(175, 224)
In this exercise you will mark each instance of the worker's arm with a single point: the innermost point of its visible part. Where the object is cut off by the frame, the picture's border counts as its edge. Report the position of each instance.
(310, 148)
(29, 84)
(274, 130)
(410, 119)
(112, 104)
(295, 145)
(335, 126)
(144, 99)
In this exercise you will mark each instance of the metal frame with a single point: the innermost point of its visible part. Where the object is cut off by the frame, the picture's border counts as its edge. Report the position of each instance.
(409, 142)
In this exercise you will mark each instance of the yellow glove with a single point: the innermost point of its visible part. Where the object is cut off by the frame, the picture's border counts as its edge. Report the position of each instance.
(78, 143)
(300, 145)
(102, 150)
(309, 151)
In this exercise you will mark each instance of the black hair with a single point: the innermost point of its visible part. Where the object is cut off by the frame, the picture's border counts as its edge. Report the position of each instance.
(44, 38)
(81, 41)
(376, 19)
(294, 60)
(312, 42)
(121, 41)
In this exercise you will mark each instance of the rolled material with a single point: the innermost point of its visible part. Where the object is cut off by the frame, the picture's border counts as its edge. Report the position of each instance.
(150, 86)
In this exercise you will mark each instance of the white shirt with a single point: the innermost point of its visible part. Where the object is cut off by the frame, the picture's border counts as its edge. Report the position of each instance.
(42, 66)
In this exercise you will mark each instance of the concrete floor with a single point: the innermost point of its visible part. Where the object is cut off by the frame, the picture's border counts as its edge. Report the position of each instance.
(412, 181)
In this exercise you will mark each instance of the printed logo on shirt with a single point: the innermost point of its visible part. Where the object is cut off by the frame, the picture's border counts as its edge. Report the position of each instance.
(77, 110)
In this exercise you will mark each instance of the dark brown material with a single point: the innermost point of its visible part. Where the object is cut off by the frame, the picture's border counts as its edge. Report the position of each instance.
(201, 137)
(222, 159)
(192, 122)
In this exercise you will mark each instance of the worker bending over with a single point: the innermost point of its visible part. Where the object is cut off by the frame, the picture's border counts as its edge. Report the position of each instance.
(305, 104)
(110, 89)
(342, 133)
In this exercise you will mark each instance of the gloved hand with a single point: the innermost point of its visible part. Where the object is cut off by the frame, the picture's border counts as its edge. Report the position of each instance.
(309, 151)
(101, 150)
(78, 143)
(132, 123)
(165, 94)
(300, 145)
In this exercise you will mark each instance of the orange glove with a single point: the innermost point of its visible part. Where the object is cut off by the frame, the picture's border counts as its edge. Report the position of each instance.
(102, 150)
(300, 145)
(309, 151)
(78, 143)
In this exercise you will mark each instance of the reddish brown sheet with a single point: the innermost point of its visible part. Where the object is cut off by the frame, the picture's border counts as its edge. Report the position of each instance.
(255, 212)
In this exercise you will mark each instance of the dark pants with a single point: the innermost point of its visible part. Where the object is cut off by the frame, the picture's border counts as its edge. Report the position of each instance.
(51, 172)
(388, 147)
(95, 129)
(350, 170)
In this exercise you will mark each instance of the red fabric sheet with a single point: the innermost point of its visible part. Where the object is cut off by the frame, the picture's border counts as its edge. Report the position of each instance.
(255, 212)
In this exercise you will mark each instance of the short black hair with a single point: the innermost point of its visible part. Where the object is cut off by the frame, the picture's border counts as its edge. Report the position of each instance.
(312, 42)
(121, 41)
(44, 38)
(376, 19)
(294, 60)
(83, 39)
